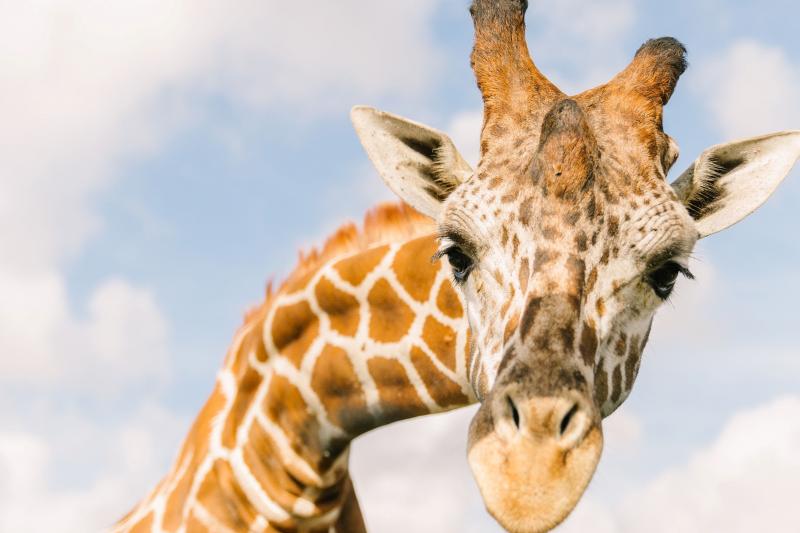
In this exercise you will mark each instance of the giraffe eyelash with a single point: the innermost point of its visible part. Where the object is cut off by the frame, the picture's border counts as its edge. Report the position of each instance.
(445, 245)
(663, 277)
(685, 271)
(461, 262)
(449, 236)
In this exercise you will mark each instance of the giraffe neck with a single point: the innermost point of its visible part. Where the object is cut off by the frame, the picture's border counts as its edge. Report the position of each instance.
(355, 344)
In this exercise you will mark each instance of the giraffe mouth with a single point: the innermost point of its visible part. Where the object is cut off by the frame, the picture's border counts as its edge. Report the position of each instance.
(533, 465)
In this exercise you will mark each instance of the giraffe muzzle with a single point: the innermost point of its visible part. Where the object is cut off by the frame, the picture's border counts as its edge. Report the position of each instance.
(533, 456)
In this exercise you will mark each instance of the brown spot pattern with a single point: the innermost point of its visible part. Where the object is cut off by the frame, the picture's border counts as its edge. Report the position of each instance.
(443, 390)
(588, 345)
(581, 242)
(222, 497)
(398, 397)
(294, 328)
(543, 257)
(511, 327)
(632, 363)
(145, 525)
(340, 307)
(529, 316)
(621, 345)
(600, 306)
(337, 386)
(591, 280)
(613, 226)
(263, 460)
(414, 272)
(195, 447)
(550, 233)
(285, 406)
(448, 303)
(526, 211)
(567, 337)
(616, 380)
(390, 317)
(524, 275)
(245, 392)
(601, 385)
(441, 340)
(354, 269)
(193, 525)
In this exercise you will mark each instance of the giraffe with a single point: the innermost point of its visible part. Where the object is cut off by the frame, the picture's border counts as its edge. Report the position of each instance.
(364, 332)
(367, 331)
(563, 243)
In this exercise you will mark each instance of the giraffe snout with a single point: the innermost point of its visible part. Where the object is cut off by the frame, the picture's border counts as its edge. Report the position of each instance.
(533, 453)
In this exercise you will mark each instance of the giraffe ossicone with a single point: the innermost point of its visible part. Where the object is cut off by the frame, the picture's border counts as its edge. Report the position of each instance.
(563, 243)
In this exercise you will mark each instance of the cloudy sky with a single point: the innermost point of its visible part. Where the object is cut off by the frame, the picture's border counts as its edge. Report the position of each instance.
(161, 161)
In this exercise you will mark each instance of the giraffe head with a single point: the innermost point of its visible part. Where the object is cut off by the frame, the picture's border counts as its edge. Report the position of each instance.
(564, 242)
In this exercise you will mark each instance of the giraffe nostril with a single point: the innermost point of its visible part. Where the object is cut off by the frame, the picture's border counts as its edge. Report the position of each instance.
(573, 426)
(565, 422)
(514, 411)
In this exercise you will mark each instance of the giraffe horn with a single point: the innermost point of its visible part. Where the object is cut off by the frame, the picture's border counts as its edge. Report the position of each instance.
(654, 70)
(509, 82)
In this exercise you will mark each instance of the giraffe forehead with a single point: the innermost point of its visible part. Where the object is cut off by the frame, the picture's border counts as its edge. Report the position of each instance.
(621, 181)
(617, 122)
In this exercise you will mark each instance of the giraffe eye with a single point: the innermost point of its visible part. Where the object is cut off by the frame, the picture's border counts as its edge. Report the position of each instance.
(663, 278)
(460, 262)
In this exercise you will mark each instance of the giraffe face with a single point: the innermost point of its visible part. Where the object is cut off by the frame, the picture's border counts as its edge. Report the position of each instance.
(563, 257)
(562, 262)
(564, 242)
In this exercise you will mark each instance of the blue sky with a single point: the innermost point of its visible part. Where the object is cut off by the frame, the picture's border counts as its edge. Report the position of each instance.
(161, 164)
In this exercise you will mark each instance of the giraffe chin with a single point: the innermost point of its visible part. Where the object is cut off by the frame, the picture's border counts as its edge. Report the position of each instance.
(529, 486)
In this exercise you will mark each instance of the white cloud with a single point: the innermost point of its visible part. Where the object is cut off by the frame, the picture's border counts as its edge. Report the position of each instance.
(747, 480)
(583, 37)
(122, 341)
(130, 456)
(294, 52)
(622, 432)
(698, 331)
(127, 332)
(85, 84)
(751, 89)
(32, 315)
(79, 91)
(590, 515)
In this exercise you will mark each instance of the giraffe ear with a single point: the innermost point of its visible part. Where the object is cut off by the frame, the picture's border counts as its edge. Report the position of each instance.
(420, 164)
(730, 181)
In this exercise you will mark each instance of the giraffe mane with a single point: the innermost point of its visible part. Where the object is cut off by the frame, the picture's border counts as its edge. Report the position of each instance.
(385, 223)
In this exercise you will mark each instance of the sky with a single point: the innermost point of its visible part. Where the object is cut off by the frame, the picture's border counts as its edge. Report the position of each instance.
(160, 162)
